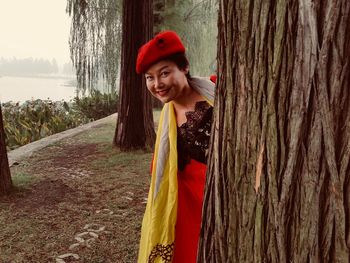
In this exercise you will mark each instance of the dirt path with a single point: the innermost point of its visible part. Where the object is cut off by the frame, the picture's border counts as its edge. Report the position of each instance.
(78, 200)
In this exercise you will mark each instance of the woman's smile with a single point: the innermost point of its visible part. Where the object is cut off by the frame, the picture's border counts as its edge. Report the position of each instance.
(163, 92)
(166, 81)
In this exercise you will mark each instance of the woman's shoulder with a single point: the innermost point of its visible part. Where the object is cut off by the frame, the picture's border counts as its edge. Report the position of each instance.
(201, 110)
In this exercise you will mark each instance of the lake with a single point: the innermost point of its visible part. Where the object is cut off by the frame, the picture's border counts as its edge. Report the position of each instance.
(26, 88)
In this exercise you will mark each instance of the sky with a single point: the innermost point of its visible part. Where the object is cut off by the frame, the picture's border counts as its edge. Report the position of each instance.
(34, 28)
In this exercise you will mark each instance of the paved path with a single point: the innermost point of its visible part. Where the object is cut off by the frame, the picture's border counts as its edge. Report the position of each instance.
(25, 151)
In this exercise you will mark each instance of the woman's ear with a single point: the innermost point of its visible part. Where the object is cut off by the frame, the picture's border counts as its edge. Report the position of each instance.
(186, 70)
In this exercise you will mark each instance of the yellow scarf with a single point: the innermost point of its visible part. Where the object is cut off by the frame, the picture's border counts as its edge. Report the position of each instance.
(158, 225)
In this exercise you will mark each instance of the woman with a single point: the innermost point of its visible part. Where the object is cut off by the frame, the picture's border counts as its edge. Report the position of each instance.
(171, 225)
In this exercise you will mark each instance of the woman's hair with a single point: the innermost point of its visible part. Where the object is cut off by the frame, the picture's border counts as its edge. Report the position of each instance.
(181, 62)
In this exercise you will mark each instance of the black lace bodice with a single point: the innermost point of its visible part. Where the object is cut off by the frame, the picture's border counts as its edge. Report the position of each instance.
(193, 136)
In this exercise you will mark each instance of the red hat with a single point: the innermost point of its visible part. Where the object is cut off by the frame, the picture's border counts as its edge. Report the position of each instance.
(163, 45)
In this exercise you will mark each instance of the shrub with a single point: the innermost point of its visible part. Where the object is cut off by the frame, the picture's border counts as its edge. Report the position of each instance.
(35, 119)
(97, 105)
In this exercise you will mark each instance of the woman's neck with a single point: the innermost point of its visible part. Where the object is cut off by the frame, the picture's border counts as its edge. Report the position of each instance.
(185, 103)
(187, 100)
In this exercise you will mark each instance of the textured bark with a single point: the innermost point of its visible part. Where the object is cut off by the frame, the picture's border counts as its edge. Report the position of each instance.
(5, 175)
(135, 127)
(278, 181)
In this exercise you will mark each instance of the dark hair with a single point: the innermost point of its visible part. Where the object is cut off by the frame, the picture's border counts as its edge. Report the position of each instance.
(181, 62)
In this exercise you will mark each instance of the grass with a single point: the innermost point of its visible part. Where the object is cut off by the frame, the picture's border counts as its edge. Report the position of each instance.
(80, 180)
(22, 180)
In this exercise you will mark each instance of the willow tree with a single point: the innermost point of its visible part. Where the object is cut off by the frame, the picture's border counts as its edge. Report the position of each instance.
(135, 128)
(97, 34)
(278, 184)
(95, 42)
(199, 38)
(5, 175)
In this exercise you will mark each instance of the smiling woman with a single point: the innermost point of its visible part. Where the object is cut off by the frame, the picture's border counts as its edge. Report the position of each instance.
(171, 224)
(166, 81)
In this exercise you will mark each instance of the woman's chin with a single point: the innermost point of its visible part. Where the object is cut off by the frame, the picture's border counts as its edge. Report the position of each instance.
(164, 99)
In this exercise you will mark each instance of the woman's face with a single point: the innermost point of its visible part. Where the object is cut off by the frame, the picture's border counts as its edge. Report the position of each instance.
(166, 81)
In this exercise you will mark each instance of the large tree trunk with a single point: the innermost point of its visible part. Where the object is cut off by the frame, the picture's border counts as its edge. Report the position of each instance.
(5, 175)
(278, 181)
(135, 127)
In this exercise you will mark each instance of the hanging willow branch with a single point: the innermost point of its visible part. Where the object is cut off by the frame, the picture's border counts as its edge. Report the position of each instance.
(200, 37)
(95, 41)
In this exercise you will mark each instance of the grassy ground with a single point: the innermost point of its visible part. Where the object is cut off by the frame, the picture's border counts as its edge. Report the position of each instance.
(79, 196)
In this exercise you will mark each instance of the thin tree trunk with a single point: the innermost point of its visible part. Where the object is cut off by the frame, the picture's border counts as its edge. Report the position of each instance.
(5, 175)
(135, 128)
(278, 180)
(147, 103)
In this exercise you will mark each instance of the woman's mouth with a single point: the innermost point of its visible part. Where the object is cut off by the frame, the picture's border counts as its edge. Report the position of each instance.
(162, 93)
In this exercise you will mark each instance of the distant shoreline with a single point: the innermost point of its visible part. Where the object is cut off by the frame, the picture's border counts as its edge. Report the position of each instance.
(27, 87)
(40, 76)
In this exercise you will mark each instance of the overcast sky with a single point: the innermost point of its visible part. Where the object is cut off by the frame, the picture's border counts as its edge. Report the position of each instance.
(34, 28)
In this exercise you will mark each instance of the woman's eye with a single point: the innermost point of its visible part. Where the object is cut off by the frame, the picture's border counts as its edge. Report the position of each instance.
(164, 74)
(149, 78)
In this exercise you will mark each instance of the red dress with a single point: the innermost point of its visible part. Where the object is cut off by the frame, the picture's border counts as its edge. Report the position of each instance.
(193, 140)
(190, 198)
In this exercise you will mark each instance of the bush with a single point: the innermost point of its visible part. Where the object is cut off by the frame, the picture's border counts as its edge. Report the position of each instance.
(36, 119)
(97, 105)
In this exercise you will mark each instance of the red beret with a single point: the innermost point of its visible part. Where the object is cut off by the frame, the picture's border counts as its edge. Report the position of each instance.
(163, 45)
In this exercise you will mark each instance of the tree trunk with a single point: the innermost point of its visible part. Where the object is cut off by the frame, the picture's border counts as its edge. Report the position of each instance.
(5, 175)
(135, 127)
(278, 180)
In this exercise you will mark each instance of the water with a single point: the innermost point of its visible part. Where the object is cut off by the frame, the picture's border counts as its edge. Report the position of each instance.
(20, 89)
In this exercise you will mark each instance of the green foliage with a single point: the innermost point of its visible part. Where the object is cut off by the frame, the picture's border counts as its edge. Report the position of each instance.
(95, 41)
(97, 105)
(36, 119)
(22, 180)
(196, 23)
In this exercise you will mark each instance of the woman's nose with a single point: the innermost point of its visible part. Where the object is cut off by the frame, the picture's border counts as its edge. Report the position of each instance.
(157, 83)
